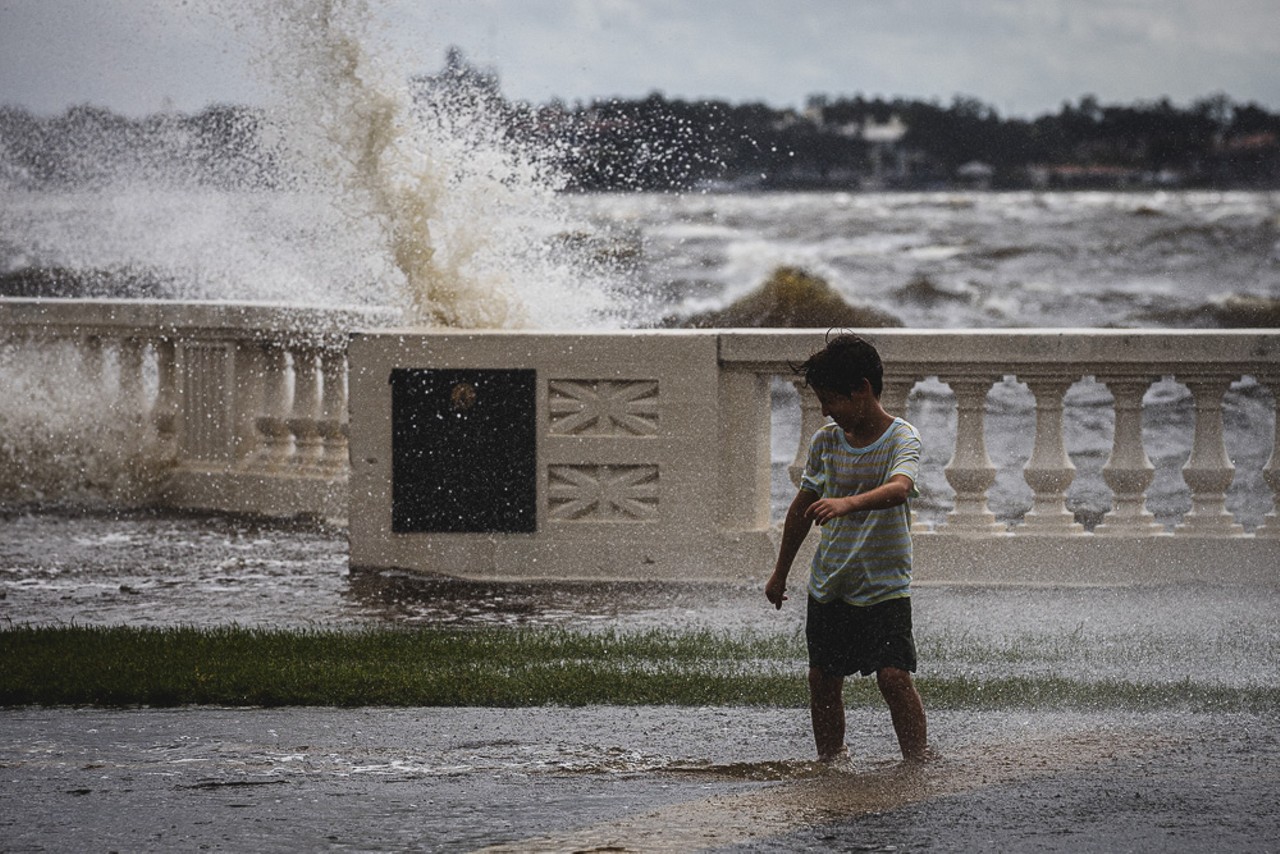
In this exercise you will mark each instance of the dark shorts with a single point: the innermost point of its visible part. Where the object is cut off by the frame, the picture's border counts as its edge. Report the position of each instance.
(844, 639)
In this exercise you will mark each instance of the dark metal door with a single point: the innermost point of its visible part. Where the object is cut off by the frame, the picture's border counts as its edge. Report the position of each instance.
(464, 451)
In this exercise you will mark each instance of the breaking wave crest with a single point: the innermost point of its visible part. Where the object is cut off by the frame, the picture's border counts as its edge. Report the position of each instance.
(461, 215)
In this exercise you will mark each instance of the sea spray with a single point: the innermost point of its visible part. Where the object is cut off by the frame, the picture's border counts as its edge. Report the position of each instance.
(459, 214)
(360, 184)
(74, 441)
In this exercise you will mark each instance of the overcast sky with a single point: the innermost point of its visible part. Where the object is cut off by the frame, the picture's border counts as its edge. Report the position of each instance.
(1024, 57)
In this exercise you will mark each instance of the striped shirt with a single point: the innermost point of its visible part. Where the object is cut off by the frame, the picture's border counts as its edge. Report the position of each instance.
(862, 558)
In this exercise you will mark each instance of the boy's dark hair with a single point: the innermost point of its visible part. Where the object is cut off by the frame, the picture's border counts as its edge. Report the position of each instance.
(843, 364)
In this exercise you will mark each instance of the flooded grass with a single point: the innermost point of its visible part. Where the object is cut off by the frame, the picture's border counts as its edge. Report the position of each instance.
(508, 667)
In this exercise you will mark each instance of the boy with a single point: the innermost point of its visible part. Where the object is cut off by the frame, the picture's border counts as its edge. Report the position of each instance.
(861, 471)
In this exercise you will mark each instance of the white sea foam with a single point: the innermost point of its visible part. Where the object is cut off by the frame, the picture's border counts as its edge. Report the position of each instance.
(385, 189)
(65, 437)
(456, 217)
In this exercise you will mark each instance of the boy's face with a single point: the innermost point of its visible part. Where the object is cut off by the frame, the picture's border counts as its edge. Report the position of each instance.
(847, 410)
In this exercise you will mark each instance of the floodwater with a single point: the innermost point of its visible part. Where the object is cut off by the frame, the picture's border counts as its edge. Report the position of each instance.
(629, 779)
(605, 778)
(165, 569)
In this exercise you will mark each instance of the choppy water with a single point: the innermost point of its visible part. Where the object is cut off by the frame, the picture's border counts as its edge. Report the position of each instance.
(975, 260)
(962, 259)
(390, 189)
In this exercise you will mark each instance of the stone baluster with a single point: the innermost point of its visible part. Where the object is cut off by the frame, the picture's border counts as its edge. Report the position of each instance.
(164, 410)
(971, 472)
(333, 410)
(1270, 526)
(93, 358)
(276, 444)
(1209, 471)
(811, 421)
(893, 397)
(131, 400)
(250, 375)
(1128, 471)
(304, 418)
(1050, 471)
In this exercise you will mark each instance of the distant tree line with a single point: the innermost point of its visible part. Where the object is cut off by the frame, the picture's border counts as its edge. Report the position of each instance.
(87, 146)
(658, 143)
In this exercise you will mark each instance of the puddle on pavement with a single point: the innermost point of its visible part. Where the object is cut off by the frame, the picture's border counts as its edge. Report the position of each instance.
(806, 794)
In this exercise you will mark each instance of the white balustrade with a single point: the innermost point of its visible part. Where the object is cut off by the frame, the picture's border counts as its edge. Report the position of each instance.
(894, 397)
(1126, 363)
(132, 403)
(233, 397)
(810, 420)
(164, 409)
(240, 399)
(93, 358)
(304, 420)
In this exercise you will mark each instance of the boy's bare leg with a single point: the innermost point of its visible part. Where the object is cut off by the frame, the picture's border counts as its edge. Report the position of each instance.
(907, 711)
(826, 704)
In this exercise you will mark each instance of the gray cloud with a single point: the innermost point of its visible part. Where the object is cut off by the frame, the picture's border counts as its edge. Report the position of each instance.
(130, 55)
(1022, 57)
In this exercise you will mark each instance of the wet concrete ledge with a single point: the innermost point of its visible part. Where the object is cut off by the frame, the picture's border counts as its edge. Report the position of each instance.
(1095, 560)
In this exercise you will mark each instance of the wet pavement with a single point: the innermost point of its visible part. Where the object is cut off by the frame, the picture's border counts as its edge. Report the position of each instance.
(629, 779)
(605, 778)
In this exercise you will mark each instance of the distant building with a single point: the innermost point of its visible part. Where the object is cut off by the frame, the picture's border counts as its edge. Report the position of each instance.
(886, 133)
(889, 163)
(976, 174)
(1077, 176)
(1250, 143)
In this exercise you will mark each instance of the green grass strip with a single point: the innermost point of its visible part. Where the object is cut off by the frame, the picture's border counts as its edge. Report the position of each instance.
(122, 666)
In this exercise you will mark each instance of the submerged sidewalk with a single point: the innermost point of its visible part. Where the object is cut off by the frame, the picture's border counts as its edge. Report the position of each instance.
(636, 779)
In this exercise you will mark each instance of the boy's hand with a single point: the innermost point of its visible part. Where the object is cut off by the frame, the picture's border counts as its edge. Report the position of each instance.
(775, 589)
(826, 509)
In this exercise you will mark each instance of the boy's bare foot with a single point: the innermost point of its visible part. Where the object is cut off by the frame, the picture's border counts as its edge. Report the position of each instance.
(839, 757)
(925, 757)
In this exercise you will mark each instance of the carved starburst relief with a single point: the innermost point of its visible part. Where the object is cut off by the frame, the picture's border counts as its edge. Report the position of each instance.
(602, 493)
(603, 407)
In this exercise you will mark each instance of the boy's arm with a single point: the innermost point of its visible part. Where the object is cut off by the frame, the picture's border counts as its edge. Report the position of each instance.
(794, 529)
(891, 493)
